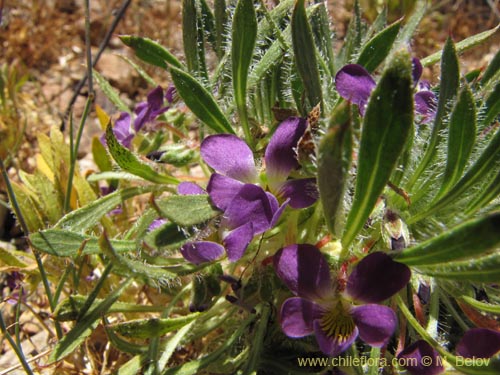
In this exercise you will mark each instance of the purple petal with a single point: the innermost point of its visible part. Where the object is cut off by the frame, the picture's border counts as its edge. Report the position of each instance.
(278, 213)
(416, 70)
(156, 224)
(425, 104)
(189, 188)
(304, 270)
(411, 359)
(377, 277)
(331, 345)
(201, 251)
(230, 156)
(237, 241)
(423, 85)
(121, 130)
(250, 204)
(281, 154)
(222, 190)
(355, 84)
(479, 343)
(141, 110)
(155, 98)
(302, 192)
(170, 93)
(297, 317)
(376, 323)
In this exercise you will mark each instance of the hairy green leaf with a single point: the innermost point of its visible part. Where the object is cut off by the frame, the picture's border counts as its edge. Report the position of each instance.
(187, 210)
(110, 92)
(154, 327)
(151, 52)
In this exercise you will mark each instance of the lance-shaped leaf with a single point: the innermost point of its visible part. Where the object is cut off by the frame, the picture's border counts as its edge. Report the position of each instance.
(470, 239)
(187, 210)
(386, 127)
(220, 19)
(148, 328)
(85, 325)
(200, 101)
(110, 92)
(63, 243)
(450, 73)
(377, 48)
(151, 52)
(243, 43)
(492, 69)
(461, 138)
(485, 196)
(480, 270)
(412, 23)
(89, 215)
(323, 35)
(167, 237)
(193, 40)
(131, 163)
(334, 160)
(482, 306)
(352, 40)
(304, 51)
(491, 107)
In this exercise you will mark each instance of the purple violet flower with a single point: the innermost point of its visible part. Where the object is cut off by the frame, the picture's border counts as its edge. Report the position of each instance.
(355, 84)
(148, 111)
(479, 343)
(121, 130)
(410, 359)
(321, 309)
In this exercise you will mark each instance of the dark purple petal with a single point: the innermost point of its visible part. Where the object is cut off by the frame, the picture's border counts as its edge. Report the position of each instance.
(376, 323)
(230, 156)
(479, 343)
(304, 270)
(148, 111)
(416, 70)
(189, 188)
(170, 93)
(237, 241)
(121, 130)
(355, 84)
(278, 213)
(156, 224)
(155, 98)
(302, 192)
(250, 204)
(222, 190)
(411, 359)
(331, 345)
(201, 251)
(425, 105)
(377, 277)
(281, 153)
(297, 317)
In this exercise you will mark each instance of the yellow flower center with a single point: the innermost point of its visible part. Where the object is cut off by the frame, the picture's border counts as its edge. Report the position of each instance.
(338, 323)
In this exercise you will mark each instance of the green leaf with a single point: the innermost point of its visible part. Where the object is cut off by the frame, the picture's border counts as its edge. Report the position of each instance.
(220, 15)
(85, 326)
(492, 69)
(110, 92)
(463, 45)
(187, 210)
(244, 35)
(408, 30)
(377, 48)
(485, 196)
(323, 35)
(148, 328)
(461, 138)
(470, 239)
(480, 270)
(200, 101)
(63, 243)
(139, 70)
(100, 156)
(386, 128)
(88, 216)
(491, 107)
(193, 40)
(172, 344)
(482, 306)
(450, 74)
(334, 161)
(304, 51)
(131, 163)
(167, 237)
(151, 52)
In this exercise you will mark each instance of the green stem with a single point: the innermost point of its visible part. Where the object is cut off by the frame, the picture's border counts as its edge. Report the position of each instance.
(17, 349)
(374, 361)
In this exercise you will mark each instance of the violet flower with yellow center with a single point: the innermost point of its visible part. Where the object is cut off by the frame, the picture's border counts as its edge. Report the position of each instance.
(334, 317)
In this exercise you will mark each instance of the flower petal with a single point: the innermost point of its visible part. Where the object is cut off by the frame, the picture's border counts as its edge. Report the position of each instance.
(376, 323)
(201, 251)
(222, 190)
(121, 130)
(302, 192)
(479, 343)
(250, 204)
(156, 223)
(377, 277)
(355, 84)
(416, 70)
(297, 317)
(304, 270)
(237, 241)
(189, 188)
(281, 154)
(330, 345)
(411, 359)
(155, 98)
(230, 156)
(425, 104)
